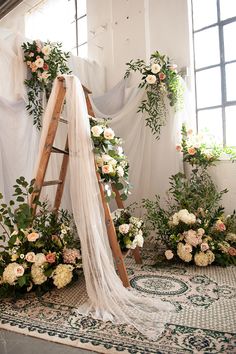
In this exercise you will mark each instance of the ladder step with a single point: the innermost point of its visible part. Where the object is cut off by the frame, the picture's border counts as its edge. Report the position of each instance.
(63, 120)
(52, 183)
(59, 151)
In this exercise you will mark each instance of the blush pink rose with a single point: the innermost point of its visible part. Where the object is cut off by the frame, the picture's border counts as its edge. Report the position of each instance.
(33, 236)
(232, 251)
(51, 257)
(192, 151)
(19, 271)
(178, 148)
(220, 226)
(162, 76)
(30, 257)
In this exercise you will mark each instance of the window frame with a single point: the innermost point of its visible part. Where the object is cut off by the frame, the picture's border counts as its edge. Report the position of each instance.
(222, 65)
(76, 19)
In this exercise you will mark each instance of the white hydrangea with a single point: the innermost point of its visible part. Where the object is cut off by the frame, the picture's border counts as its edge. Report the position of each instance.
(201, 259)
(183, 254)
(62, 275)
(38, 275)
(120, 171)
(139, 239)
(40, 259)
(12, 272)
(124, 228)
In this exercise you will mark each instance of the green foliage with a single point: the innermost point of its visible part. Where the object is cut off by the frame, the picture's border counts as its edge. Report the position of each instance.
(42, 77)
(166, 82)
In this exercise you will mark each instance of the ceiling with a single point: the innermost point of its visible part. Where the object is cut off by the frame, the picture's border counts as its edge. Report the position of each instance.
(7, 5)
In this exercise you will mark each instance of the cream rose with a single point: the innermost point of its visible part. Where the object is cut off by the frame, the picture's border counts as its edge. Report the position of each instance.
(39, 62)
(107, 169)
(151, 79)
(97, 130)
(40, 259)
(169, 254)
(155, 68)
(108, 134)
(99, 160)
(46, 50)
(124, 228)
(204, 246)
(201, 259)
(30, 257)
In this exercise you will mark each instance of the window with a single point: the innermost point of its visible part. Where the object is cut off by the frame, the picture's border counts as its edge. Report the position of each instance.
(80, 23)
(214, 33)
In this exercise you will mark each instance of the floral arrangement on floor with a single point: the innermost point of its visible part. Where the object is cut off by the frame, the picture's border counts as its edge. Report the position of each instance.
(129, 229)
(192, 225)
(45, 62)
(200, 149)
(160, 79)
(38, 252)
(111, 162)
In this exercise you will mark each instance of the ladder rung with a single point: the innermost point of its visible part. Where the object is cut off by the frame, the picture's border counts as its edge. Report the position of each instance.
(59, 151)
(63, 120)
(52, 183)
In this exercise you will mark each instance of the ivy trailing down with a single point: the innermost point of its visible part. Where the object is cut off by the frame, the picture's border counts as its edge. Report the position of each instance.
(45, 62)
(160, 80)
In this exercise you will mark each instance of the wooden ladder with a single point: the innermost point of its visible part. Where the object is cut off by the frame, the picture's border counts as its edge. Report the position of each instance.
(40, 176)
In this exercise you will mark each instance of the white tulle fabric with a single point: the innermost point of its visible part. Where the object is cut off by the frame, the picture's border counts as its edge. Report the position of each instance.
(108, 299)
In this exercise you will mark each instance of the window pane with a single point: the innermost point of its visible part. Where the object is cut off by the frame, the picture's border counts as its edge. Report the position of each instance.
(83, 51)
(204, 13)
(208, 84)
(230, 125)
(229, 41)
(206, 49)
(81, 8)
(231, 81)
(82, 30)
(210, 120)
(227, 9)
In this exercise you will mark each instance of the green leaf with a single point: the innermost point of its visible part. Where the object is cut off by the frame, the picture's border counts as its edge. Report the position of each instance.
(20, 199)
(119, 186)
(22, 280)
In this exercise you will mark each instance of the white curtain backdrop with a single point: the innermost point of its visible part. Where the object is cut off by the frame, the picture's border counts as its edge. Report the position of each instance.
(152, 161)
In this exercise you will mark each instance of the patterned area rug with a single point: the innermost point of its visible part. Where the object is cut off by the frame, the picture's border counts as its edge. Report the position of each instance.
(204, 322)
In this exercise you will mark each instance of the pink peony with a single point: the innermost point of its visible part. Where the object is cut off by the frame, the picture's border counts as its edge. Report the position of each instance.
(51, 257)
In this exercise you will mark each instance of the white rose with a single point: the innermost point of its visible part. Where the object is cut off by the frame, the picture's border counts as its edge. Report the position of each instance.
(204, 246)
(169, 254)
(112, 162)
(155, 68)
(139, 239)
(40, 259)
(124, 228)
(106, 158)
(99, 160)
(97, 130)
(46, 49)
(151, 79)
(134, 244)
(108, 134)
(120, 171)
(19, 270)
(39, 62)
(119, 150)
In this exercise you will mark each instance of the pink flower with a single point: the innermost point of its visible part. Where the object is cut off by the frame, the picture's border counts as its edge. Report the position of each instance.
(178, 147)
(31, 54)
(70, 255)
(51, 257)
(220, 226)
(45, 66)
(19, 271)
(107, 169)
(232, 251)
(30, 257)
(190, 132)
(162, 76)
(32, 237)
(204, 246)
(192, 151)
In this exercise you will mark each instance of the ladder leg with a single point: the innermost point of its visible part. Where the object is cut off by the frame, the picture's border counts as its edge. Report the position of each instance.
(115, 247)
(62, 177)
(137, 255)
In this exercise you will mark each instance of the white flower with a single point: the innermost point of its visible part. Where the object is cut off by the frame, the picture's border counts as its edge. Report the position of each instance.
(39, 62)
(12, 272)
(134, 244)
(14, 257)
(200, 232)
(155, 68)
(120, 171)
(97, 130)
(124, 228)
(107, 169)
(112, 162)
(201, 259)
(119, 150)
(98, 160)
(30, 257)
(182, 253)
(211, 256)
(139, 239)
(18, 241)
(38, 275)
(46, 49)
(108, 134)
(175, 219)
(22, 256)
(40, 259)
(230, 237)
(62, 275)
(106, 158)
(169, 254)
(151, 79)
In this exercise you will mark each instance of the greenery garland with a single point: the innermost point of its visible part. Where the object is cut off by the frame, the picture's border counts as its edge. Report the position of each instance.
(45, 62)
(160, 79)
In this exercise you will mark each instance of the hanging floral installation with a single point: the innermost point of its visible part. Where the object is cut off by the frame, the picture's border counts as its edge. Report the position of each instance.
(193, 225)
(38, 252)
(45, 61)
(111, 162)
(160, 80)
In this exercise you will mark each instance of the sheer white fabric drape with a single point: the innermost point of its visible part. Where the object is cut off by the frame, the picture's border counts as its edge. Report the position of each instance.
(152, 161)
(108, 299)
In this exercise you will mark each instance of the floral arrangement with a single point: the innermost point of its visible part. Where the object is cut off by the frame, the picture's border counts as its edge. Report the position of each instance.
(45, 62)
(192, 225)
(111, 162)
(129, 229)
(160, 79)
(36, 252)
(200, 149)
